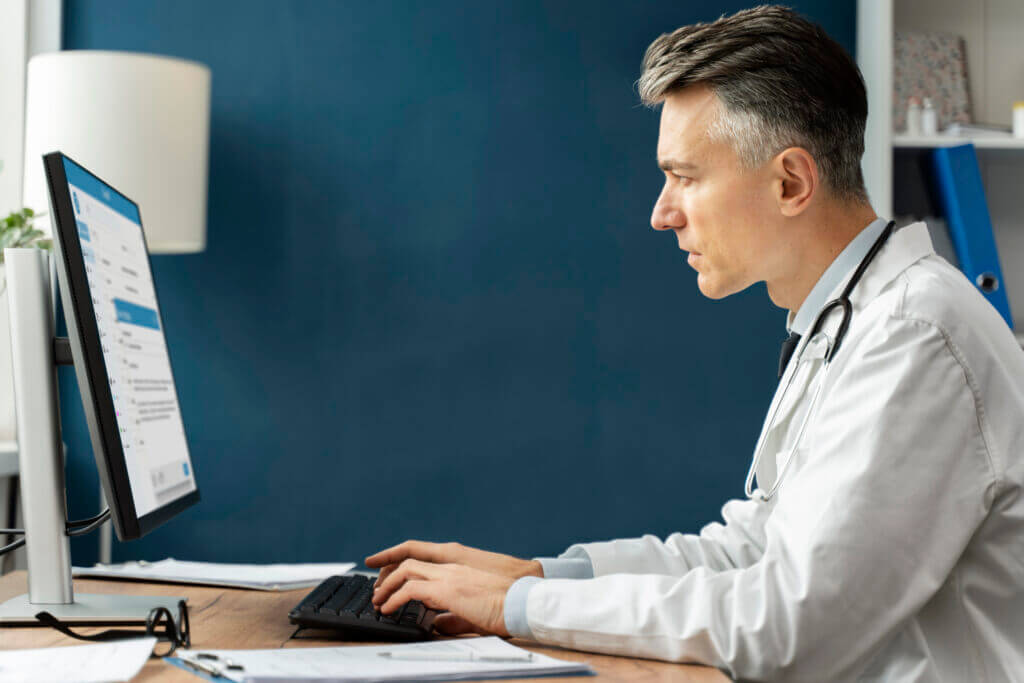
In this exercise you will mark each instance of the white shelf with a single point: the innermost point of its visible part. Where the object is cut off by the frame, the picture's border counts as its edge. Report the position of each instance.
(900, 140)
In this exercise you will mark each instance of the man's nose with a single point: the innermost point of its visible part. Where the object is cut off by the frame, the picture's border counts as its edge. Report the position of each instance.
(665, 216)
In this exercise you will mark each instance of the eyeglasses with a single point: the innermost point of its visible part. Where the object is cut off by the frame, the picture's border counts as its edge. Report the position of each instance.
(160, 623)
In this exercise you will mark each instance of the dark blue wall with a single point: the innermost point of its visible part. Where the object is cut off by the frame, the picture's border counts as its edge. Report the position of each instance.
(432, 305)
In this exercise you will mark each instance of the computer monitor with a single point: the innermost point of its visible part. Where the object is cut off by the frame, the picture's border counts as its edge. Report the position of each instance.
(117, 345)
(120, 353)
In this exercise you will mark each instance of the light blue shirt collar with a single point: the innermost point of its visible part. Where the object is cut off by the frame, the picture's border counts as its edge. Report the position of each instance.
(844, 264)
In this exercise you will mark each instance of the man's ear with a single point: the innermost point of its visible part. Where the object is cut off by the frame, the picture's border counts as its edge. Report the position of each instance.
(796, 180)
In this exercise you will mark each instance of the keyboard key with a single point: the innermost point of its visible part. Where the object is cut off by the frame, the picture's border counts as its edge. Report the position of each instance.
(358, 601)
(339, 599)
(319, 594)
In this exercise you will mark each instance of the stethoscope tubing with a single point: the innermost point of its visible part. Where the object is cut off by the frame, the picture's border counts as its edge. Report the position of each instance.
(843, 301)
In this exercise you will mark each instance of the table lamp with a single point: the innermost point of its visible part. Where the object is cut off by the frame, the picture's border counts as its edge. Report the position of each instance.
(140, 122)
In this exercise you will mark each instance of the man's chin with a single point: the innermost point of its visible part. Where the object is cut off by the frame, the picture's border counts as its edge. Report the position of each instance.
(715, 289)
(710, 288)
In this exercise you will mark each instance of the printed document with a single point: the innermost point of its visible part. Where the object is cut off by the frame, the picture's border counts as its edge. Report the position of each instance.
(468, 660)
(268, 577)
(116, 661)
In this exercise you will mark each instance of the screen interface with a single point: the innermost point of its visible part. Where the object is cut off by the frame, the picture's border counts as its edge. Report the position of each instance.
(131, 335)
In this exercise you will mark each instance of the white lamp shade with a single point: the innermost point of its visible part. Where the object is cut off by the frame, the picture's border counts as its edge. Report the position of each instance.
(139, 122)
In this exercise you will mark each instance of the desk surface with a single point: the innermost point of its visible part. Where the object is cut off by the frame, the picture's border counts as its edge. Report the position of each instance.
(224, 618)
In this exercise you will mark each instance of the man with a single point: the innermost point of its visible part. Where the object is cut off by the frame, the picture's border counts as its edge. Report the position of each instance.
(887, 539)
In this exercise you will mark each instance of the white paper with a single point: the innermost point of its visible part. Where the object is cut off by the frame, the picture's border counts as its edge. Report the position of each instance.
(119, 660)
(364, 663)
(258, 576)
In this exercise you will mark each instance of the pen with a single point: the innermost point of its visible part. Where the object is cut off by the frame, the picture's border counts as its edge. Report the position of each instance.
(454, 656)
(201, 666)
(229, 663)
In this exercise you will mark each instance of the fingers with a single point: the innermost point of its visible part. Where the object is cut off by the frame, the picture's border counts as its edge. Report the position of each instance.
(474, 595)
(408, 570)
(426, 591)
(395, 554)
(387, 556)
(384, 573)
(390, 558)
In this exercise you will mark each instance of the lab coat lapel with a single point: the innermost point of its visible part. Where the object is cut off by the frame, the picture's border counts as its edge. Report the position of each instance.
(904, 248)
(791, 400)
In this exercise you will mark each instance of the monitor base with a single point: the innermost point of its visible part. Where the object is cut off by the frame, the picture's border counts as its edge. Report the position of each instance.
(88, 609)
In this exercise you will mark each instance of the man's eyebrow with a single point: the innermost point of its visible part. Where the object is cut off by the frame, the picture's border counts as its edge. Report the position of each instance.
(676, 165)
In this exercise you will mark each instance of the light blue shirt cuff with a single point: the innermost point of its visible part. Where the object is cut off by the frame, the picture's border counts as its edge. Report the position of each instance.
(567, 567)
(515, 607)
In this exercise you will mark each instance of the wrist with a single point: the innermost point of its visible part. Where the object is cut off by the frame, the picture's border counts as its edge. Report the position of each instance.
(533, 568)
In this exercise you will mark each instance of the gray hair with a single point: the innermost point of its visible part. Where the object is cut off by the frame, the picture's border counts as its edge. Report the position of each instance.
(780, 82)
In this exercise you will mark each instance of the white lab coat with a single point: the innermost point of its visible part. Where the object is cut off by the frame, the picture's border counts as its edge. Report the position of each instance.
(894, 548)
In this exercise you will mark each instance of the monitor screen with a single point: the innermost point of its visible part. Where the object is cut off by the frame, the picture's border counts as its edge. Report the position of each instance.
(121, 342)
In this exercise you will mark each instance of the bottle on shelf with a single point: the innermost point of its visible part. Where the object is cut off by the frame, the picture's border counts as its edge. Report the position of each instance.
(913, 116)
(929, 118)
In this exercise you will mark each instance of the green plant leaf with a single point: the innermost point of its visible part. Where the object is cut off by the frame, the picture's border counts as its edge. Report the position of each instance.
(16, 230)
(31, 235)
(8, 239)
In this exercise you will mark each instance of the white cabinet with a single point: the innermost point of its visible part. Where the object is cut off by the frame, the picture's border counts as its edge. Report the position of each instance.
(993, 31)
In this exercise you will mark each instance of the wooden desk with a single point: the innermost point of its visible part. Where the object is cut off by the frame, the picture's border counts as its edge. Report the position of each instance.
(227, 618)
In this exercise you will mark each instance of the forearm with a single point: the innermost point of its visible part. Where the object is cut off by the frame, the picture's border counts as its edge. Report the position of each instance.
(737, 543)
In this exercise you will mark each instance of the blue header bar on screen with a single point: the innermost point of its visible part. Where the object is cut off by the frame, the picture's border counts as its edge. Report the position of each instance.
(102, 192)
(127, 312)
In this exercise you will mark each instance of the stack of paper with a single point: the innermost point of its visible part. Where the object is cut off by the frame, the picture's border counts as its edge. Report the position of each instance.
(442, 660)
(268, 577)
(116, 661)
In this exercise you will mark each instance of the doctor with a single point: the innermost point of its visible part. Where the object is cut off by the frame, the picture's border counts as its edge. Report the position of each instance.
(885, 540)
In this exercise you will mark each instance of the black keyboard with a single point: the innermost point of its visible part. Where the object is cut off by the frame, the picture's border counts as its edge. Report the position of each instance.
(343, 603)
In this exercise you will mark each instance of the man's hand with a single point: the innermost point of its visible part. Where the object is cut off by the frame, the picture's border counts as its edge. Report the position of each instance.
(452, 553)
(474, 599)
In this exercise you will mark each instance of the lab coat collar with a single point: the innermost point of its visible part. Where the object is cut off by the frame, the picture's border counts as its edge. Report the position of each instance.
(841, 267)
(906, 246)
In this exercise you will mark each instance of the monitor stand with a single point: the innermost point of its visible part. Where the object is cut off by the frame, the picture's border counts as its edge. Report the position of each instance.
(35, 353)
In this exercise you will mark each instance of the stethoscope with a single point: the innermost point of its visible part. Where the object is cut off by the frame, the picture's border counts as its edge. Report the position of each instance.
(831, 348)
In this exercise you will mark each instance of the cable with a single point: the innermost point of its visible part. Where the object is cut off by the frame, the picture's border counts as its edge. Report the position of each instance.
(10, 547)
(77, 528)
(96, 521)
(73, 528)
(86, 522)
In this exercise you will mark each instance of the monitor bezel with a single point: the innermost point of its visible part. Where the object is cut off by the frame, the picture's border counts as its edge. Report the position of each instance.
(90, 366)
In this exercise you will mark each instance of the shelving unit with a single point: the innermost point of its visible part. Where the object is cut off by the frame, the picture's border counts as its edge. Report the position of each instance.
(909, 141)
(995, 70)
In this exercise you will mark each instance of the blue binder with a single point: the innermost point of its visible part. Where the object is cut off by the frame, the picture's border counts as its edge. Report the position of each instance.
(958, 182)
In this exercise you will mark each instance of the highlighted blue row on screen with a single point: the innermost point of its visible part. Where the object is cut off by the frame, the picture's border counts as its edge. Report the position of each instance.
(134, 314)
(83, 231)
(100, 191)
